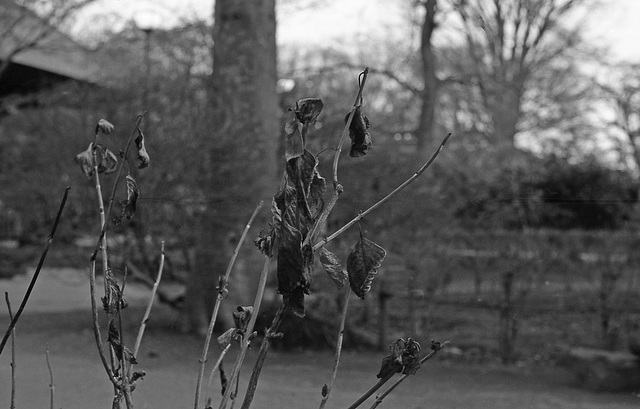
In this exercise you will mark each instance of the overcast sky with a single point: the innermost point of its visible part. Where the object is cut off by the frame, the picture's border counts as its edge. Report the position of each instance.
(614, 24)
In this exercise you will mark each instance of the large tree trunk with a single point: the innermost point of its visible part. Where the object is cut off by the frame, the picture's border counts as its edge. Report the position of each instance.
(429, 94)
(242, 148)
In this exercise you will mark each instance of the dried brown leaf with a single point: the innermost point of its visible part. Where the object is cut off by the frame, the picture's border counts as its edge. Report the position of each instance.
(129, 204)
(359, 134)
(294, 144)
(332, 266)
(104, 126)
(308, 109)
(106, 160)
(362, 265)
(143, 156)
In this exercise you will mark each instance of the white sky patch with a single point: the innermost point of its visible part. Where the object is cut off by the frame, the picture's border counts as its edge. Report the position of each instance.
(612, 24)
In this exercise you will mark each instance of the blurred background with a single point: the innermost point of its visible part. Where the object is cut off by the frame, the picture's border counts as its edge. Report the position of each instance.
(518, 244)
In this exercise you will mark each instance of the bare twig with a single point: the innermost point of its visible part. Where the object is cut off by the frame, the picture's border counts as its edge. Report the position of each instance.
(13, 355)
(371, 391)
(219, 298)
(337, 187)
(52, 386)
(434, 349)
(32, 284)
(96, 324)
(384, 199)
(270, 335)
(101, 245)
(125, 388)
(147, 312)
(246, 341)
(112, 197)
(215, 368)
(362, 79)
(336, 363)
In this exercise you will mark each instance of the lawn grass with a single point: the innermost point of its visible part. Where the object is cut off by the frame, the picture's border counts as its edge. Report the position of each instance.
(290, 379)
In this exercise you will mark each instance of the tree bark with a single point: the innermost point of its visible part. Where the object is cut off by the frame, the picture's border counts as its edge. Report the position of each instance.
(242, 149)
(429, 92)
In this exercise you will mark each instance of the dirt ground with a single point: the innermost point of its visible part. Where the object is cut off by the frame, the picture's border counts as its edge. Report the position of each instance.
(58, 316)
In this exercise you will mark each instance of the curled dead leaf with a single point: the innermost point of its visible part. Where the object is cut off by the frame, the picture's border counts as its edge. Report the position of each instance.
(294, 144)
(105, 159)
(362, 265)
(143, 156)
(359, 134)
(104, 126)
(308, 109)
(129, 204)
(404, 358)
(333, 267)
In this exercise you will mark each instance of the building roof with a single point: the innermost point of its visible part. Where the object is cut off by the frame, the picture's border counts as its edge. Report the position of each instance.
(53, 51)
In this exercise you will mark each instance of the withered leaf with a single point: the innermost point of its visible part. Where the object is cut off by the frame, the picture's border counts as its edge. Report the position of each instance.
(284, 207)
(264, 241)
(137, 375)
(308, 109)
(106, 160)
(121, 351)
(392, 363)
(362, 265)
(333, 267)
(85, 160)
(241, 317)
(294, 144)
(404, 358)
(359, 134)
(226, 338)
(104, 126)
(113, 299)
(310, 187)
(290, 261)
(411, 357)
(143, 156)
(129, 205)
(295, 301)
(224, 382)
(315, 199)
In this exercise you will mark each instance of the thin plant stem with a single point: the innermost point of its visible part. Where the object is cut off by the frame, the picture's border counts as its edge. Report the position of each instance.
(271, 334)
(13, 355)
(103, 231)
(32, 283)
(246, 341)
(147, 312)
(96, 324)
(345, 130)
(336, 361)
(102, 245)
(215, 368)
(124, 380)
(219, 298)
(337, 187)
(404, 376)
(52, 386)
(371, 391)
(360, 216)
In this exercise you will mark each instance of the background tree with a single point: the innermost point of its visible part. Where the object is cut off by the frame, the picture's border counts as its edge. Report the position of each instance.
(623, 95)
(508, 41)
